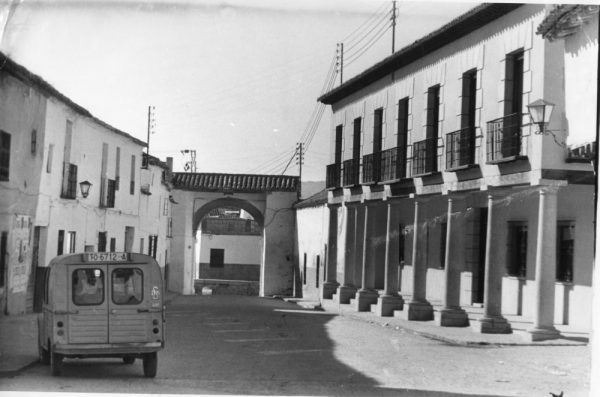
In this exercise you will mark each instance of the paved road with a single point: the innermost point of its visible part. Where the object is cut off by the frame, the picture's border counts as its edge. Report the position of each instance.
(235, 345)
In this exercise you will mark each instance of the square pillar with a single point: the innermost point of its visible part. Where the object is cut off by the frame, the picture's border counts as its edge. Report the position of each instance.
(451, 314)
(347, 290)
(492, 321)
(367, 295)
(330, 285)
(390, 300)
(545, 268)
(418, 308)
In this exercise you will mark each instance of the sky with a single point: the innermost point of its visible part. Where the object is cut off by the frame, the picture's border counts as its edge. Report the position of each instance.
(235, 80)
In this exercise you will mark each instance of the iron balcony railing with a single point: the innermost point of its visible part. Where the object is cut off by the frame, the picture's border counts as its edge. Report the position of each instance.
(332, 177)
(460, 148)
(351, 170)
(393, 164)
(504, 138)
(371, 168)
(425, 156)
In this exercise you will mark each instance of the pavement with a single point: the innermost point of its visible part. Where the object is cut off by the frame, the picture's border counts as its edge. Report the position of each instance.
(18, 333)
(18, 341)
(465, 336)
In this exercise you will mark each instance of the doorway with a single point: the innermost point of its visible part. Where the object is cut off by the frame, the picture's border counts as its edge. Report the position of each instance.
(479, 282)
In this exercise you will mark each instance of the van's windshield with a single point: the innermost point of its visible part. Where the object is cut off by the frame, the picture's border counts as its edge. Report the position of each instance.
(127, 286)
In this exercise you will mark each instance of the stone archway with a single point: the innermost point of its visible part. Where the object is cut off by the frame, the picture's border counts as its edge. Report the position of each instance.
(227, 202)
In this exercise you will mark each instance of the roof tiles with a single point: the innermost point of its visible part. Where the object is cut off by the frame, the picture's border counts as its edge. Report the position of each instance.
(234, 182)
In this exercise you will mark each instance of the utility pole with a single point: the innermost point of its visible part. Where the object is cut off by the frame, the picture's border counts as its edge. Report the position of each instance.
(340, 61)
(151, 127)
(393, 26)
(300, 161)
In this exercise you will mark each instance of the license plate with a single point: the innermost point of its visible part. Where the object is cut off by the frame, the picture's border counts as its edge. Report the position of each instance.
(106, 257)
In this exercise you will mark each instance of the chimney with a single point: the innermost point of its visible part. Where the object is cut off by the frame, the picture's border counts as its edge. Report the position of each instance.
(170, 163)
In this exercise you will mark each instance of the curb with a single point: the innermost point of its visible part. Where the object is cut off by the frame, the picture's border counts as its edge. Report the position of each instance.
(14, 372)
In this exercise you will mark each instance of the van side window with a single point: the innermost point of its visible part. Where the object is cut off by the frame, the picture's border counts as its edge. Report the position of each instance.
(88, 286)
(127, 286)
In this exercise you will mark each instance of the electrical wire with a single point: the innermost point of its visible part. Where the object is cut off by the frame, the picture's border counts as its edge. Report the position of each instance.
(374, 15)
(368, 45)
(380, 22)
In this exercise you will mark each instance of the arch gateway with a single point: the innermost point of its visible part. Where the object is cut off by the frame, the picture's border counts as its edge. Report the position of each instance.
(268, 199)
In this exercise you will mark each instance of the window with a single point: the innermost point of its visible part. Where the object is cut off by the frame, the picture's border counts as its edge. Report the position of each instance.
(4, 155)
(402, 138)
(217, 257)
(113, 244)
(108, 194)
(69, 184)
(101, 241)
(468, 104)
(513, 83)
(71, 242)
(152, 244)
(433, 112)
(377, 130)
(401, 244)
(304, 271)
(339, 134)
(517, 249)
(443, 242)
(3, 255)
(33, 141)
(565, 245)
(118, 168)
(61, 242)
(87, 287)
(127, 286)
(132, 177)
(356, 140)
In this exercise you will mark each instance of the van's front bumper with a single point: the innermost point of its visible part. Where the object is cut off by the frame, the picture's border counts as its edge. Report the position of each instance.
(107, 349)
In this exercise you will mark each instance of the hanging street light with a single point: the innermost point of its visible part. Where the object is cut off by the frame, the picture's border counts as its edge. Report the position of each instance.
(540, 112)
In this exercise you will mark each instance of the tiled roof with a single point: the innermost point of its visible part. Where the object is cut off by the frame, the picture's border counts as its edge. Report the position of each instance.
(454, 30)
(566, 19)
(20, 72)
(315, 200)
(211, 182)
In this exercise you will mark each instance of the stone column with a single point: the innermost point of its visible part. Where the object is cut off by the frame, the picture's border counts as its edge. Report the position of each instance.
(390, 300)
(492, 321)
(451, 314)
(359, 228)
(545, 268)
(367, 295)
(418, 308)
(330, 284)
(347, 290)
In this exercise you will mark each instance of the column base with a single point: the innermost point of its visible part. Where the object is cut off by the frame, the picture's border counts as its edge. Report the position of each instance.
(344, 293)
(417, 311)
(328, 289)
(492, 325)
(364, 299)
(386, 304)
(537, 334)
(452, 317)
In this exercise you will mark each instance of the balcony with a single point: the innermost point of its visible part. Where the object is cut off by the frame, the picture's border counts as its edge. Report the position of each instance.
(505, 139)
(351, 170)
(425, 156)
(371, 168)
(460, 148)
(333, 175)
(393, 164)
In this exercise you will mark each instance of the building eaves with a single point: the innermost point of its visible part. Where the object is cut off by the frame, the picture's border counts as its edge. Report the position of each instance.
(249, 183)
(566, 19)
(23, 74)
(316, 200)
(452, 31)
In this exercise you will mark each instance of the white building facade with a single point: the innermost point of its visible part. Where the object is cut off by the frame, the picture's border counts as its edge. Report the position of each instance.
(443, 190)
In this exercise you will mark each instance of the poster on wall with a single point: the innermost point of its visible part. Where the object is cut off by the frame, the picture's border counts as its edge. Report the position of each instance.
(19, 265)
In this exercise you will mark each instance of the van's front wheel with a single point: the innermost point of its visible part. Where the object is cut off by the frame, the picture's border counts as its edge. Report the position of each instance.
(55, 362)
(150, 364)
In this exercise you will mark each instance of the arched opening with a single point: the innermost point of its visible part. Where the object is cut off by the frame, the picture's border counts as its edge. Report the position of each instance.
(229, 247)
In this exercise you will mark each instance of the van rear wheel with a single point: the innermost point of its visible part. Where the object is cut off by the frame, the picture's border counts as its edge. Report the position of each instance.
(150, 364)
(55, 362)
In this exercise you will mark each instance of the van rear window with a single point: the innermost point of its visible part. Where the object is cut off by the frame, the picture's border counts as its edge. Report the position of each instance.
(127, 286)
(88, 286)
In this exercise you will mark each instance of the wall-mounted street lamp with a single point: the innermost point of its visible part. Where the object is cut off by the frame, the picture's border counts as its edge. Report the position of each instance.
(85, 188)
(540, 112)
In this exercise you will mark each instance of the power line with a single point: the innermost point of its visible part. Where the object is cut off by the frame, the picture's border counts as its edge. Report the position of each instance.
(374, 15)
(382, 20)
(369, 44)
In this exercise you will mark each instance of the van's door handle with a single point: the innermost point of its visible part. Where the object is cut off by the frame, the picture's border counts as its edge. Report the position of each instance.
(149, 310)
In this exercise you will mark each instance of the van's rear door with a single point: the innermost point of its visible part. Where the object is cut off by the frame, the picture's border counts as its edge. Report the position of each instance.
(130, 317)
(87, 317)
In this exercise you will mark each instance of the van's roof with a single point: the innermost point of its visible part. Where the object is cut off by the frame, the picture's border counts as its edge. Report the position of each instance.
(86, 258)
